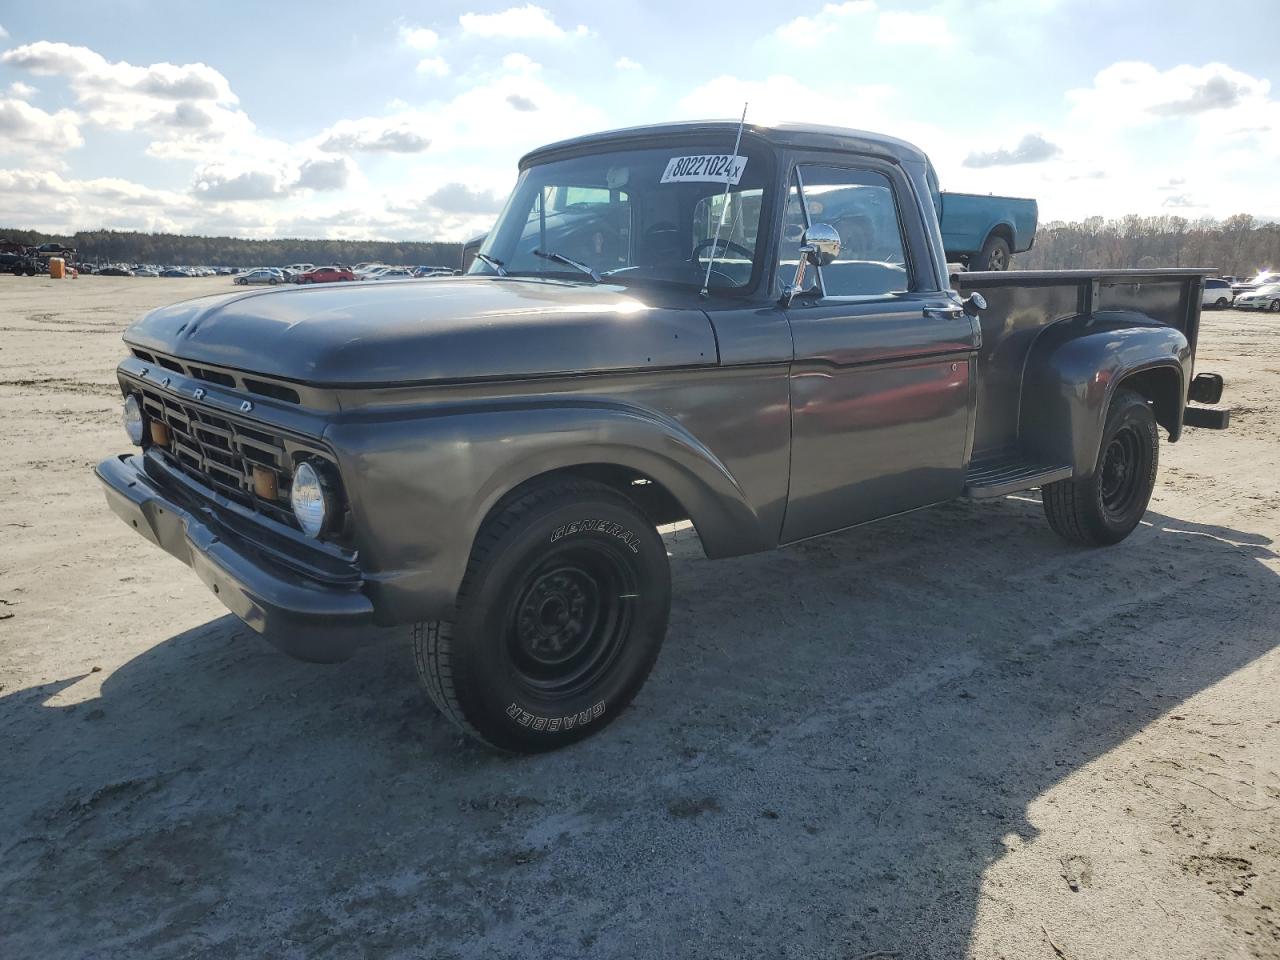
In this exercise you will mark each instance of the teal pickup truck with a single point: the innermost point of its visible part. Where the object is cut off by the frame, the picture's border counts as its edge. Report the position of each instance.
(983, 232)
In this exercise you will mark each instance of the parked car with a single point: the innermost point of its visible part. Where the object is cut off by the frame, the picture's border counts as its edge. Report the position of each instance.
(115, 270)
(324, 275)
(259, 276)
(1265, 297)
(1261, 279)
(299, 268)
(486, 461)
(390, 273)
(1216, 293)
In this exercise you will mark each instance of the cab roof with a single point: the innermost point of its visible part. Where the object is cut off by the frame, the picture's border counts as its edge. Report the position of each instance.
(811, 136)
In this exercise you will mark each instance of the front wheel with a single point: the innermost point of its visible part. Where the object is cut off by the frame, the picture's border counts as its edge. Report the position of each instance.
(1222, 303)
(1275, 306)
(1104, 508)
(559, 619)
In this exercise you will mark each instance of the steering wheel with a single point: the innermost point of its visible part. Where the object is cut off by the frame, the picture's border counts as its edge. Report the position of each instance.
(729, 246)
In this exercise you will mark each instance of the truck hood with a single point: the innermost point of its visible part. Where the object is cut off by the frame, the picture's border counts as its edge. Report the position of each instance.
(389, 332)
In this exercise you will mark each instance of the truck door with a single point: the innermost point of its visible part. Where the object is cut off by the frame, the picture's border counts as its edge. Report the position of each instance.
(880, 384)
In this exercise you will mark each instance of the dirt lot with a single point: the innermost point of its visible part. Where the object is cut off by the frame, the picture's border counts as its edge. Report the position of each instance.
(946, 735)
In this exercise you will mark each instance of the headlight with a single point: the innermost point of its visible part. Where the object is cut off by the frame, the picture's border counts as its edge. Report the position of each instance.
(133, 424)
(309, 499)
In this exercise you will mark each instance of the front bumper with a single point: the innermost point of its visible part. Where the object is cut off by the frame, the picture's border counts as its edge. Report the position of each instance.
(304, 617)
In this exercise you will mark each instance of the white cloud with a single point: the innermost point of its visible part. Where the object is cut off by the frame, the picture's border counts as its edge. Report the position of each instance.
(1032, 148)
(186, 107)
(1131, 90)
(812, 30)
(27, 128)
(324, 173)
(47, 200)
(400, 133)
(20, 89)
(433, 66)
(3, 32)
(922, 29)
(518, 23)
(419, 38)
(459, 198)
(519, 62)
(626, 63)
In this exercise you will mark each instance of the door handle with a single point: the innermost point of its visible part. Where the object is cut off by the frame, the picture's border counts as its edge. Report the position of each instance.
(943, 313)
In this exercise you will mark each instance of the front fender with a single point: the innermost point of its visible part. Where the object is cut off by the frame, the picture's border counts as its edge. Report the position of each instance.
(1072, 372)
(420, 485)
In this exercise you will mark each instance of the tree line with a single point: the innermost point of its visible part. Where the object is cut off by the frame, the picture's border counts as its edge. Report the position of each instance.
(116, 246)
(1240, 245)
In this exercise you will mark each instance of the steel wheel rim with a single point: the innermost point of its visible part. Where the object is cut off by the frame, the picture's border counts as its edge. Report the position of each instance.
(996, 261)
(1121, 481)
(569, 617)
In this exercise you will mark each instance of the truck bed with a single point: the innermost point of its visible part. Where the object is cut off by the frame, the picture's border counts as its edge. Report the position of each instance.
(1021, 306)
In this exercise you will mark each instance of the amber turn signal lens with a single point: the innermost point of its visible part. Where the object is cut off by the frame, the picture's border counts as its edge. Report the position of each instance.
(264, 483)
(159, 433)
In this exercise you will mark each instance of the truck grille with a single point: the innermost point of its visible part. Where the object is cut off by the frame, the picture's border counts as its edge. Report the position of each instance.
(221, 452)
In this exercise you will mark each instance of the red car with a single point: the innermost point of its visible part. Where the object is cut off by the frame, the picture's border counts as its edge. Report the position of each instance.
(324, 275)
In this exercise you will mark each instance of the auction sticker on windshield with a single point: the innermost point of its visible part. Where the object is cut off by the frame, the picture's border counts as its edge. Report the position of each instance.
(709, 168)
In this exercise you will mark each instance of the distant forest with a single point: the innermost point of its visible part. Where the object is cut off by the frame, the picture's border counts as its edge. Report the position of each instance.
(111, 246)
(1238, 245)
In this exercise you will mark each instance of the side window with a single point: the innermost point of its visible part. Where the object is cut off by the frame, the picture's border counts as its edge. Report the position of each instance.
(860, 205)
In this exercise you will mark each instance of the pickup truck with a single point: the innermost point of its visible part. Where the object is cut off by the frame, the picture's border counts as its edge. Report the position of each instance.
(659, 328)
(984, 232)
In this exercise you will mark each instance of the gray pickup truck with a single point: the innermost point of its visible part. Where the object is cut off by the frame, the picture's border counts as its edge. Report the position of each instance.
(660, 328)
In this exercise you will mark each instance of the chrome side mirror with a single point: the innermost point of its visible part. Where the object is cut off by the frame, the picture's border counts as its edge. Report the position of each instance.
(819, 245)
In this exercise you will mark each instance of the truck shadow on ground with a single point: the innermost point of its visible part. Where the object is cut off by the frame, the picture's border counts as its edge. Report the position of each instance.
(837, 742)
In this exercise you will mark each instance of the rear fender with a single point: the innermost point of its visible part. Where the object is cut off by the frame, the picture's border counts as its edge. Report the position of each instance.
(421, 486)
(1074, 369)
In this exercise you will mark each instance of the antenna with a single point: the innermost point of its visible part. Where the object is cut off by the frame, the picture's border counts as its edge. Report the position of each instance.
(724, 207)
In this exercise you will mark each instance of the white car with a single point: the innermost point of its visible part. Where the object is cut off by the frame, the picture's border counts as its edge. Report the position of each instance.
(296, 268)
(391, 273)
(261, 275)
(1217, 293)
(1266, 297)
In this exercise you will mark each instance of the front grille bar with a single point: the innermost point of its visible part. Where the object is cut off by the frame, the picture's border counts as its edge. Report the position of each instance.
(221, 452)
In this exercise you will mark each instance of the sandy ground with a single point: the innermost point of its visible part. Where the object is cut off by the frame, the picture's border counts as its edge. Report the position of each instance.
(947, 735)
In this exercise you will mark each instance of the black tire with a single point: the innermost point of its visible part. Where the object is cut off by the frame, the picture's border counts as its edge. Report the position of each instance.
(560, 617)
(994, 256)
(1275, 306)
(1104, 508)
(1222, 303)
(273, 281)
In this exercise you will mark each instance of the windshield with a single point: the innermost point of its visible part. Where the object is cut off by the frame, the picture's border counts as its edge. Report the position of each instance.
(635, 216)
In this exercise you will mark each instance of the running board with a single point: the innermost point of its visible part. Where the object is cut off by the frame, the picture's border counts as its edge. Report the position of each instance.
(1001, 475)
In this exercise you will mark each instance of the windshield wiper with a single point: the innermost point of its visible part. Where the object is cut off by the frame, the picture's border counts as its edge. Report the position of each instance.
(494, 262)
(561, 258)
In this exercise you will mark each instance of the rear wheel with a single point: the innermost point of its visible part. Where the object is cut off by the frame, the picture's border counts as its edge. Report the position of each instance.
(994, 256)
(1275, 306)
(1104, 508)
(559, 620)
(1222, 303)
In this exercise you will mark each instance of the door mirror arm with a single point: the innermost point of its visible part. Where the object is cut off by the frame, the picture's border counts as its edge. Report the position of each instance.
(819, 245)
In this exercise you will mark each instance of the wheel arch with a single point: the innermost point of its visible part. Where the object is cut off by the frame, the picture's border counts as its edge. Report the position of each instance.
(1074, 370)
(427, 484)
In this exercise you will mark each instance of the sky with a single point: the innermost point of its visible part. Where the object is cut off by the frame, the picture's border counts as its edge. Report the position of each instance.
(405, 121)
